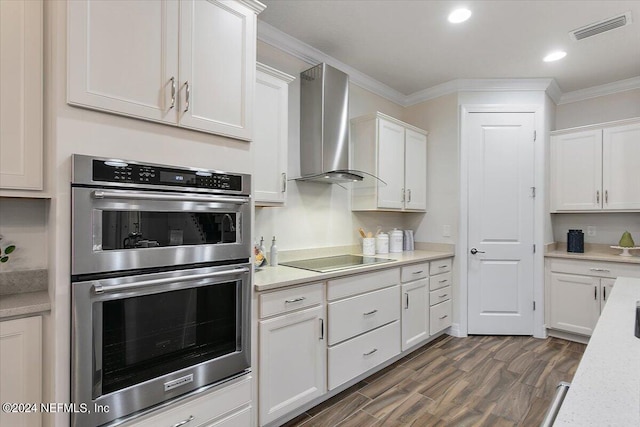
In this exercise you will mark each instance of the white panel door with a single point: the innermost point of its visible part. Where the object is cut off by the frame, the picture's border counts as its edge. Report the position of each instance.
(292, 362)
(621, 167)
(501, 221)
(576, 171)
(217, 67)
(21, 53)
(20, 369)
(415, 312)
(415, 164)
(574, 304)
(123, 57)
(390, 165)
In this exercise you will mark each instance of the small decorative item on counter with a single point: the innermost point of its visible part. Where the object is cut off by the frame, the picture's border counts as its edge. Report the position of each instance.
(396, 240)
(4, 253)
(382, 243)
(273, 253)
(408, 244)
(262, 248)
(259, 260)
(368, 246)
(626, 241)
(575, 241)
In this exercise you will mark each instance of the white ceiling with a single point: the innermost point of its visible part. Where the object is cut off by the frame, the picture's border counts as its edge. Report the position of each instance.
(410, 46)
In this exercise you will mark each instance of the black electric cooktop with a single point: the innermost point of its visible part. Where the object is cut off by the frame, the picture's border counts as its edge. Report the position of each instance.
(332, 263)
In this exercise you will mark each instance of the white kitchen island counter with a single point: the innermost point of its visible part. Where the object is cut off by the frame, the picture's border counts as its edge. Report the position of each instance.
(605, 390)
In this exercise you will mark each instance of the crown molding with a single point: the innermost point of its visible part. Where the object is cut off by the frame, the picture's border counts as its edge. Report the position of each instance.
(254, 5)
(288, 44)
(275, 73)
(602, 90)
(312, 56)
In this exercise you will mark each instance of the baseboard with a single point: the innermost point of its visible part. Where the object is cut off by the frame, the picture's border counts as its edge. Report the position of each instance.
(583, 339)
(454, 331)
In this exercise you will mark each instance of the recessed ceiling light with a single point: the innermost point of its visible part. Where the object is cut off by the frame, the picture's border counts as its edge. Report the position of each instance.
(554, 56)
(459, 15)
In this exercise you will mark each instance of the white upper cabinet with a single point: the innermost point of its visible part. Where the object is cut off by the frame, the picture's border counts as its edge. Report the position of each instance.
(21, 27)
(270, 142)
(396, 153)
(187, 63)
(596, 169)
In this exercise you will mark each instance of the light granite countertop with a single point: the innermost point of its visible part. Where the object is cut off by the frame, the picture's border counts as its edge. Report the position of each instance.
(268, 278)
(592, 252)
(605, 390)
(23, 293)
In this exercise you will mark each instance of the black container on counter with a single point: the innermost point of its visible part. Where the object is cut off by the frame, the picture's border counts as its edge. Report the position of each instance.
(575, 241)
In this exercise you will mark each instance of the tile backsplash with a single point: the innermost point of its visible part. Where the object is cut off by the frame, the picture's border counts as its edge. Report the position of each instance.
(23, 223)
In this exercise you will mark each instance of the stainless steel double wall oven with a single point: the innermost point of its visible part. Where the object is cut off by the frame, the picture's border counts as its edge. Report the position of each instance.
(160, 284)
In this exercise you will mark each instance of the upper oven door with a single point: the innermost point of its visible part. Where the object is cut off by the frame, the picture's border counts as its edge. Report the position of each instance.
(118, 230)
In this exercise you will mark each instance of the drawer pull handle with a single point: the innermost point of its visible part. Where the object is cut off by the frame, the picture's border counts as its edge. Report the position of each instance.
(370, 353)
(181, 423)
(443, 295)
(443, 281)
(291, 301)
(418, 272)
(443, 266)
(599, 269)
(369, 313)
(444, 317)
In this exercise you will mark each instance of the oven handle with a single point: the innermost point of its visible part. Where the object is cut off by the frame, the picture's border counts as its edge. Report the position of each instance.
(100, 194)
(99, 288)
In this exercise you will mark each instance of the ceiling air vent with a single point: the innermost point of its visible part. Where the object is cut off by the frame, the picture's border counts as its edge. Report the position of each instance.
(601, 27)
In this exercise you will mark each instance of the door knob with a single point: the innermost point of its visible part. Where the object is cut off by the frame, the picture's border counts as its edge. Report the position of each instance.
(475, 251)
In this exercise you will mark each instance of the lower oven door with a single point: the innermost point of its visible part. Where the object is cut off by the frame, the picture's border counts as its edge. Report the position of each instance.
(143, 340)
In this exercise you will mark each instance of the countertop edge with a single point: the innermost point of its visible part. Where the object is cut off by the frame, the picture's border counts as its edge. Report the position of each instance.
(306, 276)
(594, 257)
(24, 304)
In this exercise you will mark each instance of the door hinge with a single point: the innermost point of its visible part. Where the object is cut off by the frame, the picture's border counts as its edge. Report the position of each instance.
(534, 249)
(534, 306)
(533, 192)
(535, 135)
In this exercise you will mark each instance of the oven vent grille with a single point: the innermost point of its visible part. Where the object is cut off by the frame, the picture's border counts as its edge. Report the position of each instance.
(601, 27)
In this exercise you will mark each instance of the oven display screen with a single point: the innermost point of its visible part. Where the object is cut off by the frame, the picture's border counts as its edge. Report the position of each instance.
(176, 178)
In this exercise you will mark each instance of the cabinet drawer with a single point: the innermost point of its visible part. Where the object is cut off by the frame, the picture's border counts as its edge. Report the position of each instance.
(358, 355)
(354, 285)
(440, 295)
(290, 299)
(203, 409)
(439, 317)
(594, 268)
(353, 316)
(440, 266)
(440, 281)
(415, 272)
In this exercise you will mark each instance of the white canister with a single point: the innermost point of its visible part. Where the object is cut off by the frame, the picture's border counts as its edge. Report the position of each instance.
(395, 241)
(368, 246)
(382, 243)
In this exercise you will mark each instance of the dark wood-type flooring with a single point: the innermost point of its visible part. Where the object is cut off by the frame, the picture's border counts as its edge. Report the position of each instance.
(476, 381)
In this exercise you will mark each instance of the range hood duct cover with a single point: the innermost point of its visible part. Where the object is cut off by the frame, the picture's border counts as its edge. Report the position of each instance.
(324, 126)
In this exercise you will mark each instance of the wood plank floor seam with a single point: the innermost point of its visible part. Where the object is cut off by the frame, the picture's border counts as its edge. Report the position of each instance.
(472, 381)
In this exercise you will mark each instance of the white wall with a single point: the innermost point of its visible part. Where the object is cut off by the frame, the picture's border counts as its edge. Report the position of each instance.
(317, 215)
(23, 223)
(609, 226)
(618, 106)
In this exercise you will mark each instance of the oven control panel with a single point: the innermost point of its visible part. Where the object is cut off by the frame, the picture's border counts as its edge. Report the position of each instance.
(138, 173)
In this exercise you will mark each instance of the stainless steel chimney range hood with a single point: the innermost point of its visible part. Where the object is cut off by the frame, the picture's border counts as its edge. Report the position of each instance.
(324, 126)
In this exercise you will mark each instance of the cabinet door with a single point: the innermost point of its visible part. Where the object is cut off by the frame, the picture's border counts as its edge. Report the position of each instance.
(606, 286)
(20, 369)
(21, 26)
(217, 67)
(415, 313)
(415, 173)
(574, 303)
(292, 363)
(270, 143)
(390, 165)
(576, 171)
(123, 57)
(620, 167)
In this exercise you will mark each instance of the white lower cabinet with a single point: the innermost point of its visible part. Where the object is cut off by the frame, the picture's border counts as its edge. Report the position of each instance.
(577, 291)
(292, 358)
(21, 369)
(439, 317)
(414, 300)
(227, 405)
